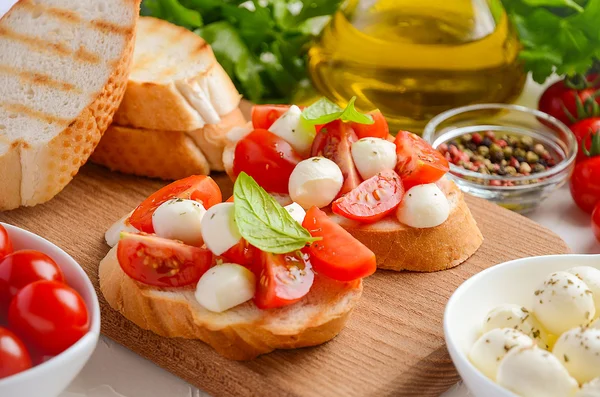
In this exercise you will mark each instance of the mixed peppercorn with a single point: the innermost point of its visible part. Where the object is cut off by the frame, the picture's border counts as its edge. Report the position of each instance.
(505, 155)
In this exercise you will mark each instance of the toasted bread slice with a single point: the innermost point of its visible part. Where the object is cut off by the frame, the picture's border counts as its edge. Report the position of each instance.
(240, 333)
(63, 71)
(400, 247)
(176, 83)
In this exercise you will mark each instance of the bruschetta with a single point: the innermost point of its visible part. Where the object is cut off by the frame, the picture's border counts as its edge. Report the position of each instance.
(391, 193)
(246, 276)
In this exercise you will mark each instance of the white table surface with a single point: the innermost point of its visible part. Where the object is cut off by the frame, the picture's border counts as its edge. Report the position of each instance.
(114, 371)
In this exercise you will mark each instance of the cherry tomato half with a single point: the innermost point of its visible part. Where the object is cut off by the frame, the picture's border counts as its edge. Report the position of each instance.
(242, 253)
(22, 268)
(263, 116)
(49, 315)
(5, 244)
(200, 188)
(267, 158)
(418, 162)
(334, 141)
(282, 279)
(379, 129)
(162, 262)
(596, 221)
(373, 199)
(338, 255)
(14, 357)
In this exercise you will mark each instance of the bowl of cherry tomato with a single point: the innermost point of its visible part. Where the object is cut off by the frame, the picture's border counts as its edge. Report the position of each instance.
(49, 316)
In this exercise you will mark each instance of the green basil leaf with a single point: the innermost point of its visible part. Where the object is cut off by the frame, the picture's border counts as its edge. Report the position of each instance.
(263, 222)
(324, 111)
(350, 114)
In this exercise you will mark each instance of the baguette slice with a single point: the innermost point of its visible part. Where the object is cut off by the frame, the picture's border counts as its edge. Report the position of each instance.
(176, 83)
(241, 333)
(63, 71)
(400, 247)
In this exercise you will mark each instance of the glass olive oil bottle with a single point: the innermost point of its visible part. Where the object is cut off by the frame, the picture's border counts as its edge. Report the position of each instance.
(413, 59)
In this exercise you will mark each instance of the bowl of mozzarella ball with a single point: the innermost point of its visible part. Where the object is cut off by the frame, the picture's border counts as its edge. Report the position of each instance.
(528, 327)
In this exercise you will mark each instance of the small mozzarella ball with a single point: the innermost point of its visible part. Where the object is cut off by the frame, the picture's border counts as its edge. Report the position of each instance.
(519, 318)
(423, 206)
(296, 211)
(579, 351)
(113, 234)
(225, 286)
(561, 303)
(596, 324)
(315, 182)
(179, 219)
(591, 277)
(489, 350)
(534, 372)
(373, 155)
(219, 229)
(590, 389)
(296, 131)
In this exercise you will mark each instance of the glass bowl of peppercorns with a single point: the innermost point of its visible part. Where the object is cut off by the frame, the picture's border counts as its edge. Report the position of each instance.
(511, 155)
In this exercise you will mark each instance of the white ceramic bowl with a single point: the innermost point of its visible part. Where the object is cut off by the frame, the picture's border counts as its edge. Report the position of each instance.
(510, 282)
(52, 377)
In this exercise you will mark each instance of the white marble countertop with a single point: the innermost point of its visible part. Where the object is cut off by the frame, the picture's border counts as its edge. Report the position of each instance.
(114, 371)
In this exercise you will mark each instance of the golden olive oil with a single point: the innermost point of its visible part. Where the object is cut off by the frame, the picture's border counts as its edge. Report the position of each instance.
(413, 59)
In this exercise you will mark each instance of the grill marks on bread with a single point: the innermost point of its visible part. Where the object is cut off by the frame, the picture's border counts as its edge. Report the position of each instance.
(39, 79)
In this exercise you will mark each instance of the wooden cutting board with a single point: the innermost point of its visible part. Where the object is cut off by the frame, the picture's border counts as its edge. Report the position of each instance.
(393, 344)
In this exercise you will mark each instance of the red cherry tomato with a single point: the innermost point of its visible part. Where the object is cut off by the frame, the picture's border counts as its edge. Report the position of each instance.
(200, 188)
(230, 199)
(242, 253)
(373, 199)
(267, 158)
(570, 104)
(596, 221)
(418, 163)
(282, 279)
(263, 116)
(585, 181)
(161, 262)
(338, 255)
(334, 141)
(379, 129)
(14, 357)
(49, 315)
(22, 268)
(583, 132)
(5, 244)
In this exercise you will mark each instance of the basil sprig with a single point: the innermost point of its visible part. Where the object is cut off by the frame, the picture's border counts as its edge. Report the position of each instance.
(263, 222)
(324, 111)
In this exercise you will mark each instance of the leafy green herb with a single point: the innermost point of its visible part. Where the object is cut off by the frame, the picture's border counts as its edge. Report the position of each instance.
(324, 111)
(262, 44)
(263, 222)
(557, 35)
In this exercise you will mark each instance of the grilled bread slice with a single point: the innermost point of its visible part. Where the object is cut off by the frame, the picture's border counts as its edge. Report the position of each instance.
(176, 84)
(400, 247)
(240, 333)
(63, 71)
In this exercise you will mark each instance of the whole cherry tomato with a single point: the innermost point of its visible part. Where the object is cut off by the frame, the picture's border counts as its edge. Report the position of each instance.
(583, 132)
(585, 181)
(5, 243)
(570, 100)
(49, 315)
(22, 268)
(14, 357)
(596, 221)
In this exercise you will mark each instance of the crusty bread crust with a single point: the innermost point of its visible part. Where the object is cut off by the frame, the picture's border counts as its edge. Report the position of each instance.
(241, 333)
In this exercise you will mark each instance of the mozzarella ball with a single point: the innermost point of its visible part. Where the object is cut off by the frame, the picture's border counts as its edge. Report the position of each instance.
(579, 351)
(296, 131)
(373, 155)
(225, 286)
(489, 350)
(596, 324)
(423, 206)
(590, 389)
(179, 219)
(591, 277)
(113, 234)
(219, 229)
(519, 318)
(534, 372)
(315, 182)
(561, 303)
(296, 211)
